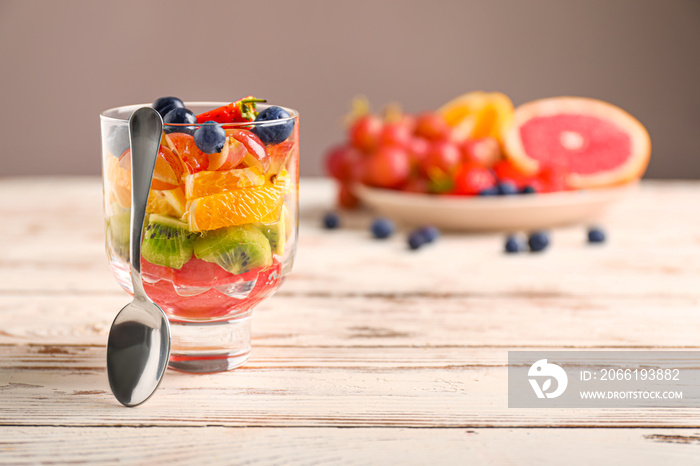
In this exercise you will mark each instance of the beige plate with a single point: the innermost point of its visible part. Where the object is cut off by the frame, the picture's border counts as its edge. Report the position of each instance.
(496, 213)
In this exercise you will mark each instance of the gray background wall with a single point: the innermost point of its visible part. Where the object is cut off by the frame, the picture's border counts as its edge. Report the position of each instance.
(61, 63)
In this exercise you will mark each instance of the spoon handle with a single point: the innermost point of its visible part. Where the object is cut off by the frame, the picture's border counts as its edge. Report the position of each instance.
(145, 130)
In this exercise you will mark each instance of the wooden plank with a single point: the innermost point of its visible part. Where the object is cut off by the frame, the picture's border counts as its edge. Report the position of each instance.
(390, 321)
(297, 387)
(222, 445)
(653, 250)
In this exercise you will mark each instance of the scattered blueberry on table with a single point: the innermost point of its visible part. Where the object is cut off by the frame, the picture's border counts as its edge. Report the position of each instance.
(416, 239)
(538, 241)
(430, 233)
(513, 244)
(596, 235)
(382, 228)
(331, 221)
(529, 190)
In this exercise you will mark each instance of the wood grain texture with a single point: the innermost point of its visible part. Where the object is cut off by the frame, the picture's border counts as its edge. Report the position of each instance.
(361, 446)
(363, 334)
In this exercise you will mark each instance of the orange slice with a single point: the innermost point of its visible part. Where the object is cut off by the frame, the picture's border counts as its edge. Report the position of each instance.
(478, 114)
(167, 202)
(237, 206)
(206, 183)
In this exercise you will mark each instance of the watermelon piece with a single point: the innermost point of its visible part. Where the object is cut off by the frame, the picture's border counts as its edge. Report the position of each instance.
(237, 112)
(595, 144)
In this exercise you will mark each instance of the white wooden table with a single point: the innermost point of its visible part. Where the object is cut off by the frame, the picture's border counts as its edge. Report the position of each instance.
(368, 354)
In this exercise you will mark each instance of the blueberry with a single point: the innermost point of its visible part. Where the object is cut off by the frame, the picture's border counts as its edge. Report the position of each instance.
(180, 116)
(489, 191)
(513, 244)
(210, 137)
(538, 241)
(382, 228)
(163, 105)
(331, 221)
(118, 139)
(430, 233)
(274, 133)
(529, 190)
(416, 239)
(506, 188)
(596, 235)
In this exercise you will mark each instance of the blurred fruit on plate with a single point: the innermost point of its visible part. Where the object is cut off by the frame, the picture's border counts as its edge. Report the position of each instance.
(478, 114)
(478, 144)
(595, 143)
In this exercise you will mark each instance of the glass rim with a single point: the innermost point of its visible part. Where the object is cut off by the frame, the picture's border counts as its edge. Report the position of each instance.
(293, 114)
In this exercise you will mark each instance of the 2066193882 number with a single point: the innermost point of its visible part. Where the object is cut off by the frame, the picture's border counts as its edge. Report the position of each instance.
(640, 374)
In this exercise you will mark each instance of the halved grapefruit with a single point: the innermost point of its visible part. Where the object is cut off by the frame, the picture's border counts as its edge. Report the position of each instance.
(596, 143)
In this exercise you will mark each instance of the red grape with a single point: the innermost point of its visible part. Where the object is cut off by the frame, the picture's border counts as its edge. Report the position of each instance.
(346, 197)
(432, 127)
(395, 134)
(443, 155)
(364, 132)
(416, 185)
(471, 179)
(418, 149)
(484, 151)
(388, 167)
(342, 163)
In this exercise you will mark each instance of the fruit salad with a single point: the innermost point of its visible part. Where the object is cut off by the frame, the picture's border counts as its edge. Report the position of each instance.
(220, 228)
(479, 144)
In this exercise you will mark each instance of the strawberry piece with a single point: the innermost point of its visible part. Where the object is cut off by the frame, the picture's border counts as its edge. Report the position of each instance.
(237, 112)
(471, 179)
(506, 171)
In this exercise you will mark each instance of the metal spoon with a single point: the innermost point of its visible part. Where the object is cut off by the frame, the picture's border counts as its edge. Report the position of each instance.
(138, 348)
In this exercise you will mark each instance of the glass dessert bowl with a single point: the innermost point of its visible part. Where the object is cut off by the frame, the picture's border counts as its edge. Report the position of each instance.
(221, 221)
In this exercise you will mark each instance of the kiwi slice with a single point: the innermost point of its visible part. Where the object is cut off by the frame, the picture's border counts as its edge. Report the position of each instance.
(118, 230)
(235, 249)
(276, 233)
(167, 242)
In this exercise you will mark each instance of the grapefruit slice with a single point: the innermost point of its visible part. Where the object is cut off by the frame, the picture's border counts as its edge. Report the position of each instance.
(596, 143)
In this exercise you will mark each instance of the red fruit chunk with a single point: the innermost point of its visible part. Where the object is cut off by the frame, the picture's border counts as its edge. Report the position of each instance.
(472, 178)
(416, 185)
(389, 167)
(395, 134)
(213, 303)
(194, 159)
(364, 132)
(257, 154)
(280, 154)
(347, 198)
(199, 273)
(484, 151)
(240, 111)
(552, 179)
(443, 156)
(432, 127)
(342, 163)
(506, 171)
